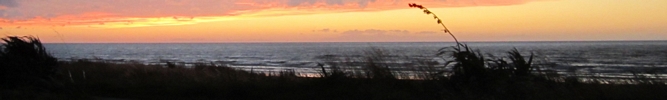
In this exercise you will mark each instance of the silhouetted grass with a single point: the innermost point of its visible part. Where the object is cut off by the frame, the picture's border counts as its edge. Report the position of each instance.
(374, 76)
(27, 71)
(25, 61)
(219, 82)
(206, 81)
(465, 74)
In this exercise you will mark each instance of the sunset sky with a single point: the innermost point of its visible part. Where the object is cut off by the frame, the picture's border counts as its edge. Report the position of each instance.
(185, 21)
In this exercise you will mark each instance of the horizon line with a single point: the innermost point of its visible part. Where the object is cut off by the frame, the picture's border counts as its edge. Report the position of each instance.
(355, 42)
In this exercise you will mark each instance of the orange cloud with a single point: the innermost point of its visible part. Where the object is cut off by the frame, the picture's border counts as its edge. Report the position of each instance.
(140, 13)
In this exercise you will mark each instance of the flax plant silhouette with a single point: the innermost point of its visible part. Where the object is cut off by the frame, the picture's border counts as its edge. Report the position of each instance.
(439, 21)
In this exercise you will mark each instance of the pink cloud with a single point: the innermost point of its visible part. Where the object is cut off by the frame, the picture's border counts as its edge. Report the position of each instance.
(58, 12)
(374, 32)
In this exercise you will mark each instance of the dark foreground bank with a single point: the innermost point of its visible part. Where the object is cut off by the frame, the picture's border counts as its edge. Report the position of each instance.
(29, 72)
(90, 80)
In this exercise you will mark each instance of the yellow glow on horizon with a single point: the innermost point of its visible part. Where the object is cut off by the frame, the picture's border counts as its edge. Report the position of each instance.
(163, 21)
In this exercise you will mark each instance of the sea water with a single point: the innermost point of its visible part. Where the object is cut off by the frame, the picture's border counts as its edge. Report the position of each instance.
(613, 57)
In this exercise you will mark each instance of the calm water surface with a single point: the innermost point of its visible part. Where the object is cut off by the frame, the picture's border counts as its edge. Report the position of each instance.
(598, 56)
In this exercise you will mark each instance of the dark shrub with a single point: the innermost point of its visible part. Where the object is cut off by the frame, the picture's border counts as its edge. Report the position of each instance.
(376, 66)
(522, 67)
(468, 64)
(25, 62)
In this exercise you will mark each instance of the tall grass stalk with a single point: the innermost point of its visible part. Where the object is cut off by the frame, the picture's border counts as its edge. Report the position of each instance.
(438, 20)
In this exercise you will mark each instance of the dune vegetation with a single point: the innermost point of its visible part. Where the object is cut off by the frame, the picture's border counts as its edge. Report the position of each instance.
(468, 75)
(29, 72)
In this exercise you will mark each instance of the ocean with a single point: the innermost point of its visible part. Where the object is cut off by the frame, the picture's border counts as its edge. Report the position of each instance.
(611, 57)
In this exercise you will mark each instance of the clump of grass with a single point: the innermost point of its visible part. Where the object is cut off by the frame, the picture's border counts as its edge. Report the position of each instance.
(336, 69)
(376, 67)
(27, 71)
(472, 66)
(522, 68)
(25, 61)
(469, 65)
(428, 69)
